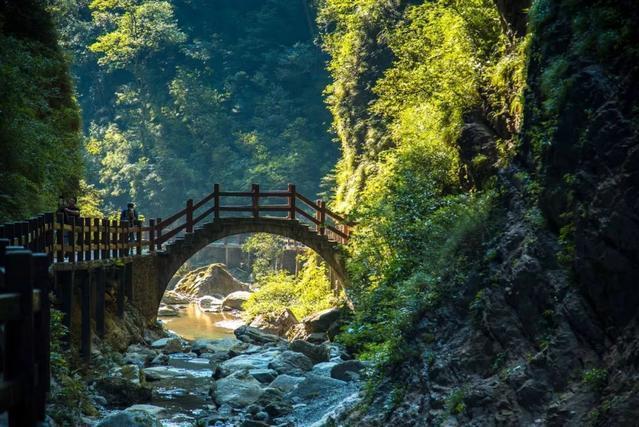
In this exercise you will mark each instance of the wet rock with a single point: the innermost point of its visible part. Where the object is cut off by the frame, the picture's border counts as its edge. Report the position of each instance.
(209, 280)
(172, 297)
(130, 418)
(168, 311)
(321, 321)
(120, 392)
(235, 300)
(315, 385)
(159, 360)
(210, 303)
(286, 383)
(238, 390)
(206, 345)
(277, 325)
(323, 368)
(253, 423)
(292, 363)
(317, 353)
(249, 361)
(139, 355)
(274, 402)
(251, 335)
(263, 375)
(168, 345)
(348, 370)
(156, 373)
(153, 410)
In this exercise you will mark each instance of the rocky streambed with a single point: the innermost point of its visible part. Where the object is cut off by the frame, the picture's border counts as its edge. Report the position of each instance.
(251, 379)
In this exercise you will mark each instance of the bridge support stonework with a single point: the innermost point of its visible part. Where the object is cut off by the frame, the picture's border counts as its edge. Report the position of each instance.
(152, 273)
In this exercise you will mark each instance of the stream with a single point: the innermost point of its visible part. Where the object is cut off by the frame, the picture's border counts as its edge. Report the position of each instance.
(212, 370)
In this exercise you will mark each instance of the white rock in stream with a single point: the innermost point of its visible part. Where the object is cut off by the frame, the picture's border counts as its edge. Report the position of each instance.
(156, 411)
(238, 390)
(249, 361)
(236, 300)
(156, 373)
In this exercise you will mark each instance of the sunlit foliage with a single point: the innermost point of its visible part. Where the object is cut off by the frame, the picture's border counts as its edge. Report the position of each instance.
(308, 292)
(406, 79)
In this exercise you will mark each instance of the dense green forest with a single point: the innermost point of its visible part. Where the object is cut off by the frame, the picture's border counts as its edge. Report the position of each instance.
(488, 160)
(40, 142)
(178, 95)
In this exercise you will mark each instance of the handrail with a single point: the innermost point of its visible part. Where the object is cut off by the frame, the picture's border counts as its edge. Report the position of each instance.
(77, 239)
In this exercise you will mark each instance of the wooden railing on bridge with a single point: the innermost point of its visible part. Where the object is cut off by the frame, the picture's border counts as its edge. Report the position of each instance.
(24, 353)
(77, 239)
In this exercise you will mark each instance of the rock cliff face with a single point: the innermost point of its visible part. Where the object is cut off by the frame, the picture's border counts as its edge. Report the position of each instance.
(544, 332)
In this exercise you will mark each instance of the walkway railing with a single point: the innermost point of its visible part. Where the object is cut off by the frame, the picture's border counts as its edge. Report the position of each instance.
(77, 239)
(24, 317)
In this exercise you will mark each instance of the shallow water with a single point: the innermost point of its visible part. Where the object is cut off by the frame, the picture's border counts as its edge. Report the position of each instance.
(194, 323)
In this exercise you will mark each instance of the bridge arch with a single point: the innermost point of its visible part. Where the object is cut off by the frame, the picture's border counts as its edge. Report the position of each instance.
(176, 253)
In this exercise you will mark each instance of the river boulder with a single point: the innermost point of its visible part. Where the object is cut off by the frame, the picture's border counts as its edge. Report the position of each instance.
(130, 418)
(348, 370)
(291, 363)
(235, 300)
(121, 392)
(316, 352)
(213, 279)
(277, 325)
(238, 390)
(321, 321)
(173, 298)
(251, 335)
(274, 402)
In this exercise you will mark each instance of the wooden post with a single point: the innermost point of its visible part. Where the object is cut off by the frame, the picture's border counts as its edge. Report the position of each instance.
(49, 239)
(42, 282)
(32, 227)
(106, 239)
(100, 278)
(72, 257)
(291, 201)
(96, 238)
(85, 309)
(255, 189)
(152, 235)
(216, 201)
(19, 363)
(158, 234)
(138, 238)
(124, 239)
(321, 216)
(80, 223)
(60, 237)
(189, 216)
(87, 238)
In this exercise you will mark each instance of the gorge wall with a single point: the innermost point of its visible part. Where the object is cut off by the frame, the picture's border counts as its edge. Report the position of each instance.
(531, 319)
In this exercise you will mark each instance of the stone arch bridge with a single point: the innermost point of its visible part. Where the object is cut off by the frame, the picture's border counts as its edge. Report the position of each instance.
(80, 249)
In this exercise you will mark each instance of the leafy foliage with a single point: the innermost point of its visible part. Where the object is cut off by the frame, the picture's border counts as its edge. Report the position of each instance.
(307, 293)
(179, 95)
(267, 251)
(407, 78)
(40, 142)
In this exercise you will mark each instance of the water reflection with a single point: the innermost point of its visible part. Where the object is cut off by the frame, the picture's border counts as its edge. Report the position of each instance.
(194, 323)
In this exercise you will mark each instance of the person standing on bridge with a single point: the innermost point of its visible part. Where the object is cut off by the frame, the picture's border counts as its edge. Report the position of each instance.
(70, 212)
(131, 215)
